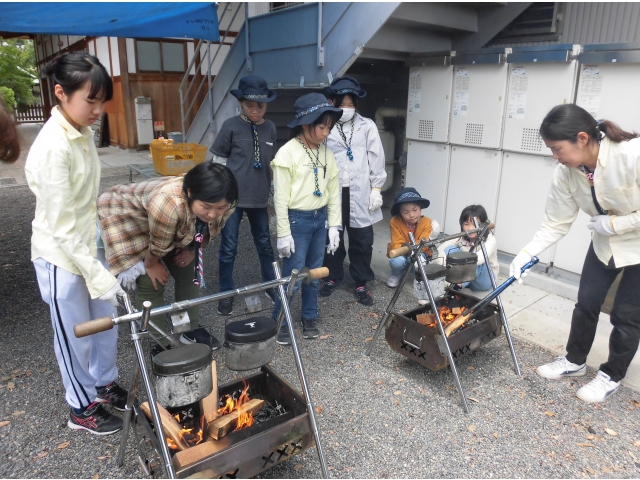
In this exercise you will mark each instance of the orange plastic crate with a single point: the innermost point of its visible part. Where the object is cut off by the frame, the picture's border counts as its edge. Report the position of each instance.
(176, 159)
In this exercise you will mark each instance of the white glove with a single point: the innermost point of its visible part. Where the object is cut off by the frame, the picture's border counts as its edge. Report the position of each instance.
(375, 200)
(128, 278)
(112, 294)
(334, 240)
(285, 246)
(602, 225)
(435, 230)
(519, 261)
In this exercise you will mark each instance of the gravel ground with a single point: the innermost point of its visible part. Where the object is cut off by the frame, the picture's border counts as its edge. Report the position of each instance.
(381, 416)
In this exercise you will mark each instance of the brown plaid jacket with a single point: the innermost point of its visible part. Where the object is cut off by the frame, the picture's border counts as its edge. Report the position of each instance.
(154, 214)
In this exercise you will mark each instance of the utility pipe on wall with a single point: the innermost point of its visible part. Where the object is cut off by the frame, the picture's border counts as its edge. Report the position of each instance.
(384, 112)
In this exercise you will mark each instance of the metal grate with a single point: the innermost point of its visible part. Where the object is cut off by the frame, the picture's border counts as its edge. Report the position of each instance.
(531, 140)
(425, 129)
(473, 134)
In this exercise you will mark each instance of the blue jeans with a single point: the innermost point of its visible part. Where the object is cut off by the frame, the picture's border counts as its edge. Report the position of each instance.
(398, 264)
(259, 221)
(309, 237)
(483, 279)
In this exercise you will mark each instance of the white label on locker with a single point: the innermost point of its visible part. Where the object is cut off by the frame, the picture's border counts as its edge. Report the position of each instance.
(415, 98)
(415, 81)
(462, 80)
(590, 89)
(460, 104)
(517, 92)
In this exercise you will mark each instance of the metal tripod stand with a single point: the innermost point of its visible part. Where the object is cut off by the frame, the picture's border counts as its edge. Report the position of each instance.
(139, 322)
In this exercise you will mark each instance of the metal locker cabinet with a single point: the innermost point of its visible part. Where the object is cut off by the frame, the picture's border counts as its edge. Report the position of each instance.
(429, 103)
(540, 77)
(427, 172)
(525, 181)
(571, 250)
(473, 179)
(608, 83)
(478, 99)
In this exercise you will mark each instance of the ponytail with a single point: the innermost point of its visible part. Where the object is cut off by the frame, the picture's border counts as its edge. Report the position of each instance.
(564, 122)
(72, 70)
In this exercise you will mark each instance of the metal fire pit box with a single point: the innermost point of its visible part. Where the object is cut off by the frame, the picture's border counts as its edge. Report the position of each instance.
(247, 452)
(425, 345)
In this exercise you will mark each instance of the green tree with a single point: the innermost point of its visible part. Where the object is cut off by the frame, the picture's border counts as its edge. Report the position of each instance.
(18, 68)
(8, 98)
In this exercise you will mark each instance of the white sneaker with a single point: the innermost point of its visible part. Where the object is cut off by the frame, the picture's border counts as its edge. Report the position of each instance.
(394, 281)
(561, 367)
(598, 389)
(423, 302)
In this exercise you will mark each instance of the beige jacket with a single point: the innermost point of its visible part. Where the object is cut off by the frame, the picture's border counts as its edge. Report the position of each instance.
(617, 186)
(63, 171)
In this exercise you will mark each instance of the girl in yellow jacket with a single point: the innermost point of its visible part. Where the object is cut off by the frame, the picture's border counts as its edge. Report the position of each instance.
(63, 171)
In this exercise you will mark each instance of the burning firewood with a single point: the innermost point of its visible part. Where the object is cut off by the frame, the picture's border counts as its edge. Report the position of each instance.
(197, 453)
(170, 426)
(223, 425)
(457, 323)
(210, 403)
(426, 319)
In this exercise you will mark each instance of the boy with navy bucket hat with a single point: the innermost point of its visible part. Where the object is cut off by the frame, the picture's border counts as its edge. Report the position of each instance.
(407, 218)
(307, 202)
(246, 143)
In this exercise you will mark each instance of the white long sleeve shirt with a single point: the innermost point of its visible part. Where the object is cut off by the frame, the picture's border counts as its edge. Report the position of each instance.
(617, 187)
(364, 172)
(63, 171)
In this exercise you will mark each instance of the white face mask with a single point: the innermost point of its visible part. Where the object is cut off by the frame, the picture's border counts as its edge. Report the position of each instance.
(347, 114)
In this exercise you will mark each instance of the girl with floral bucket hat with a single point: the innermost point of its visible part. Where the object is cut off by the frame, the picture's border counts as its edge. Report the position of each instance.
(307, 201)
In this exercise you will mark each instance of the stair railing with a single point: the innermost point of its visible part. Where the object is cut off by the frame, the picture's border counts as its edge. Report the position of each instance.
(189, 82)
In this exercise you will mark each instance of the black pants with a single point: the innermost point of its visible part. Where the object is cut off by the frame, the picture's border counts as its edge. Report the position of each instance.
(625, 315)
(360, 250)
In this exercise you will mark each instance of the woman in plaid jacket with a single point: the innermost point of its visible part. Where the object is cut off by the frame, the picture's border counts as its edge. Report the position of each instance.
(158, 228)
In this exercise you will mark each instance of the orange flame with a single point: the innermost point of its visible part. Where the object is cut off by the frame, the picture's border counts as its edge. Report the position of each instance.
(244, 419)
(186, 434)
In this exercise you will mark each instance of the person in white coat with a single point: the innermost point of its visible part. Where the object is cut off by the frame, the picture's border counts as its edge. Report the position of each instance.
(599, 173)
(356, 144)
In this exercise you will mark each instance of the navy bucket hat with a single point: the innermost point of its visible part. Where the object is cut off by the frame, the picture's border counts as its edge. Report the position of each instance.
(344, 85)
(408, 195)
(309, 107)
(254, 88)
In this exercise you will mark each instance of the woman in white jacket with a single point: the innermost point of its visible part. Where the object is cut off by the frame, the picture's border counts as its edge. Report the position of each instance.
(599, 173)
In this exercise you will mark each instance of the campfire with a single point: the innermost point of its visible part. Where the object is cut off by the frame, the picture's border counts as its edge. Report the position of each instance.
(191, 436)
(245, 417)
(449, 309)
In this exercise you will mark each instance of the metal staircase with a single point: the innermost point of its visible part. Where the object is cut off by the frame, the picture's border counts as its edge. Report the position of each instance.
(305, 46)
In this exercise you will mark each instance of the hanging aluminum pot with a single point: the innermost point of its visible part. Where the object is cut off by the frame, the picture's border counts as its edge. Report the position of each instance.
(461, 267)
(249, 343)
(183, 375)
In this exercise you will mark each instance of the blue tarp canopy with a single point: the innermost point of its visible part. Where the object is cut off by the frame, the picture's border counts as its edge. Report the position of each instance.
(111, 19)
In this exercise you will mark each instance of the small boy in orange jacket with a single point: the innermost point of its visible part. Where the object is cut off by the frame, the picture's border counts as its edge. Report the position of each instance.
(407, 217)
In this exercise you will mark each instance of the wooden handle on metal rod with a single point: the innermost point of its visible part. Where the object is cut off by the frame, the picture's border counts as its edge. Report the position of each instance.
(316, 273)
(93, 326)
(400, 252)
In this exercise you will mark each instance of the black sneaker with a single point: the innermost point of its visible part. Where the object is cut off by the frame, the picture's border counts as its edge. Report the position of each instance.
(96, 420)
(309, 329)
(113, 394)
(283, 336)
(225, 306)
(364, 296)
(327, 288)
(200, 335)
(272, 293)
(156, 349)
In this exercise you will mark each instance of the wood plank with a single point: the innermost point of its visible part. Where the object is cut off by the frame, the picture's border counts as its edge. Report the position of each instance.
(426, 318)
(225, 424)
(170, 426)
(198, 452)
(210, 403)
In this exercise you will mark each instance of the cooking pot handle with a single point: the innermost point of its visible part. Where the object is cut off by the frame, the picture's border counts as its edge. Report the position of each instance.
(404, 339)
(400, 252)
(93, 326)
